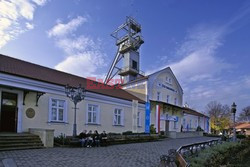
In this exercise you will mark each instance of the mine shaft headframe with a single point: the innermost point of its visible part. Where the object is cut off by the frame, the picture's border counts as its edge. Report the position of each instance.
(128, 38)
(128, 35)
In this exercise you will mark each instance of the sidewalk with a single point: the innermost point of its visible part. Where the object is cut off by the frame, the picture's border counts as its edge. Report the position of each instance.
(126, 155)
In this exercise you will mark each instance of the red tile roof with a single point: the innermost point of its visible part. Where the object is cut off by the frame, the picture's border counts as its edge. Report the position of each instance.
(243, 126)
(29, 70)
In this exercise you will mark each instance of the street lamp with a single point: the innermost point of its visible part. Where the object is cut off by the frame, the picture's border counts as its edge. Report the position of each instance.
(233, 110)
(76, 95)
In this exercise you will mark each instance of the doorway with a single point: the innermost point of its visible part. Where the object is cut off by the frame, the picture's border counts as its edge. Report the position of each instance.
(166, 126)
(8, 112)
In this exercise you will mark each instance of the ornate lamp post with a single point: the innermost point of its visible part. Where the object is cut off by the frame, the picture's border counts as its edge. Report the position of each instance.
(233, 110)
(76, 95)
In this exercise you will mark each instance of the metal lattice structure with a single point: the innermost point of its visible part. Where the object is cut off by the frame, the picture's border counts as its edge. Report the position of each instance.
(128, 39)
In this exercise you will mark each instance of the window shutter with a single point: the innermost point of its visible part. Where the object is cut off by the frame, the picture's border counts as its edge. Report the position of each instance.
(122, 118)
(50, 110)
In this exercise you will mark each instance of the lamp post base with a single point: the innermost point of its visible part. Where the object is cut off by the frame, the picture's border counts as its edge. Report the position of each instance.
(74, 130)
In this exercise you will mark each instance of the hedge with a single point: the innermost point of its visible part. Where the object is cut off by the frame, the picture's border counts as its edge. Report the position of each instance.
(228, 154)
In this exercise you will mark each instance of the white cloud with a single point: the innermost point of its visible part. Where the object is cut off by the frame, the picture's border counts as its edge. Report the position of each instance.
(83, 64)
(29, 26)
(73, 45)
(198, 55)
(84, 56)
(201, 71)
(12, 13)
(40, 2)
(61, 29)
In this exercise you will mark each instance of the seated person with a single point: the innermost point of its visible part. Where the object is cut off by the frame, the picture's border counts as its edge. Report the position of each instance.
(104, 138)
(83, 138)
(96, 139)
(90, 139)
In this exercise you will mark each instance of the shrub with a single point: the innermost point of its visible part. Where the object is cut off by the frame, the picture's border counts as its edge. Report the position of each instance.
(127, 133)
(152, 129)
(220, 155)
(162, 133)
(239, 136)
(198, 129)
(61, 140)
(114, 134)
(211, 135)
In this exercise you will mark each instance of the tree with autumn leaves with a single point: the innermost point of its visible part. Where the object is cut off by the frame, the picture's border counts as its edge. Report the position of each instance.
(220, 116)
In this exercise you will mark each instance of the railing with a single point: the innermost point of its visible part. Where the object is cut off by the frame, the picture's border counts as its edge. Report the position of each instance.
(185, 151)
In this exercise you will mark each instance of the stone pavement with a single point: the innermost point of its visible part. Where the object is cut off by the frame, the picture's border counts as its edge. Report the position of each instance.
(126, 155)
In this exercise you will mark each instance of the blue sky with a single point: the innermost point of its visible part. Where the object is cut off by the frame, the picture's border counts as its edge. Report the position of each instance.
(206, 43)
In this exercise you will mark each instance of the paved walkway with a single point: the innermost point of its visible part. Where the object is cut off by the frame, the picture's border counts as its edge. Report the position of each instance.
(126, 155)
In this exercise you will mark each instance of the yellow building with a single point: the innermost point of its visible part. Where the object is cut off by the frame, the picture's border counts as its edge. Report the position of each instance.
(33, 96)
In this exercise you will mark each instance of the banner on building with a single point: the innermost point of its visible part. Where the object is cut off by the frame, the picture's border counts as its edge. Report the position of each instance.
(157, 119)
(147, 118)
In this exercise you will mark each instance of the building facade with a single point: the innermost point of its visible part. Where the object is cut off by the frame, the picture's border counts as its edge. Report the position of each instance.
(33, 96)
(163, 93)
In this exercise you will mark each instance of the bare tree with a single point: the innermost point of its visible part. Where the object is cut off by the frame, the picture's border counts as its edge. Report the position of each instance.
(245, 115)
(220, 115)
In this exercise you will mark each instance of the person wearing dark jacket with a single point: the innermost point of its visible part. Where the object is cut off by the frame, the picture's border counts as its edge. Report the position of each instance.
(104, 138)
(83, 138)
(90, 139)
(96, 139)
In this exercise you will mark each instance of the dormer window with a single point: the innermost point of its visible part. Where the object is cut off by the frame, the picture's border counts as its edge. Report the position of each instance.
(170, 80)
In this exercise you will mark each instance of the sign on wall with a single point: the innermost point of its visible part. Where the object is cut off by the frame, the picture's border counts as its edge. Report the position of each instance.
(169, 118)
(167, 87)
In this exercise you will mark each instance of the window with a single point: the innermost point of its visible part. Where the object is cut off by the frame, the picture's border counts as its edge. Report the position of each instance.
(139, 119)
(175, 101)
(158, 96)
(93, 114)
(190, 123)
(168, 98)
(134, 64)
(118, 117)
(170, 80)
(166, 79)
(57, 110)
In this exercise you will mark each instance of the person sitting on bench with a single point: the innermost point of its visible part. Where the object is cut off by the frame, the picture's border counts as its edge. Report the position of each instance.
(83, 138)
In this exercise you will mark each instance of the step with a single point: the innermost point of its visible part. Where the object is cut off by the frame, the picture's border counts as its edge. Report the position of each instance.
(21, 148)
(19, 138)
(17, 141)
(15, 134)
(20, 145)
(20, 141)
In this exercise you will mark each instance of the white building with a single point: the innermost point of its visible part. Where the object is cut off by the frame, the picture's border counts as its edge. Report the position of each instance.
(162, 91)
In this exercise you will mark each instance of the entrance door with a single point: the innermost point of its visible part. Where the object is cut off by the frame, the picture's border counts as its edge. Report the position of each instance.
(8, 112)
(167, 126)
